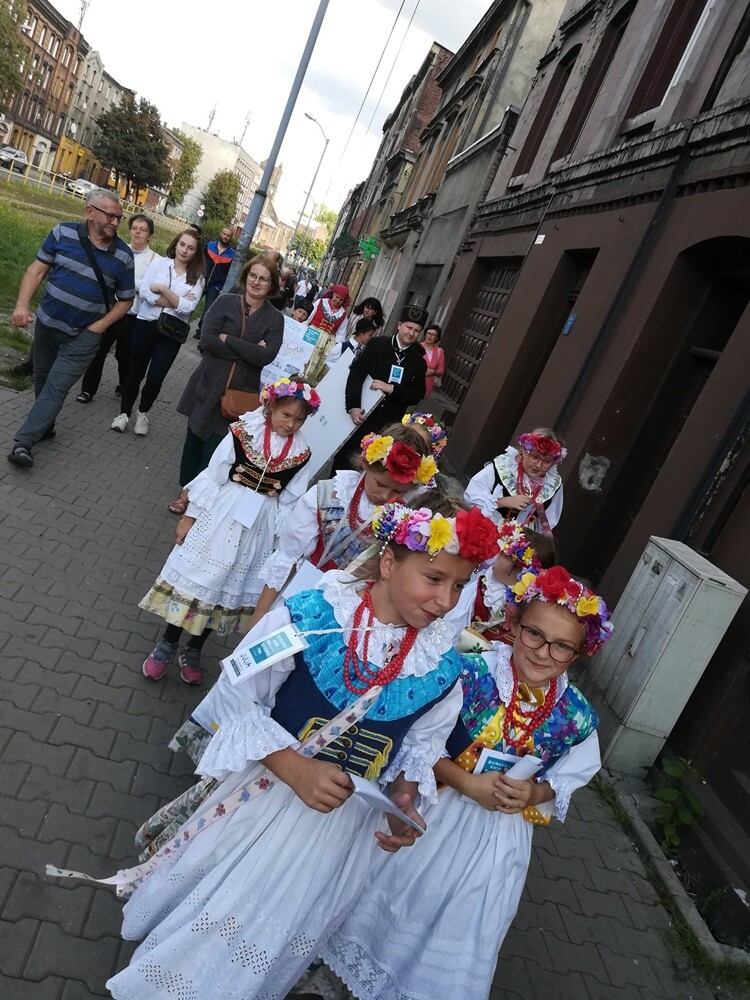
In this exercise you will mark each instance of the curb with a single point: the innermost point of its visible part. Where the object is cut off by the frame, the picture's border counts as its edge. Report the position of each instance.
(651, 851)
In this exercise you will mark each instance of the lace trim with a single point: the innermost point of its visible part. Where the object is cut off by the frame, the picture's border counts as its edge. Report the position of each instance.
(507, 469)
(558, 807)
(356, 967)
(342, 593)
(251, 737)
(494, 594)
(203, 491)
(275, 570)
(417, 765)
(504, 677)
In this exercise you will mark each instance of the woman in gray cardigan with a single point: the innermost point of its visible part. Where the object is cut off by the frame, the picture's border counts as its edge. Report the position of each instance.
(222, 347)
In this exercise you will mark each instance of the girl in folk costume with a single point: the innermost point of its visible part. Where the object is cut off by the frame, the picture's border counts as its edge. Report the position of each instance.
(469, 872)
(481, 609)
(523, 483)
(209, 581)
(331, 525)
(327, 316)
(242, 901)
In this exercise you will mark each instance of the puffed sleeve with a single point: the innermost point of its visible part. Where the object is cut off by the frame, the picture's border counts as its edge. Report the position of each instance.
(555, 508)
(424, 745)
(239, 714)
(479, 492)
(297, 541)
(204, 489)
(573, 770)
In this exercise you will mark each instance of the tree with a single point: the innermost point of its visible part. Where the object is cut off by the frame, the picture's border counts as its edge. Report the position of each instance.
(184, 178)
(12, 51)
(309, 249)
(220, 199)
(328, 217)
(132, 144)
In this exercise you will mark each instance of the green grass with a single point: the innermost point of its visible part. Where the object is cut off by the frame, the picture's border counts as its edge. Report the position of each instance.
(14, 339)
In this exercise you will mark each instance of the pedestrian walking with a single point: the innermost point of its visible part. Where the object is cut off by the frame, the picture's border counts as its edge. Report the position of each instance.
(302, 289)
(523, 483)
(283, 850)
(141, 229)
(434, 357)
(169, 292)
(469, 872)
(210, 583)
(90, 287)
(219, 256)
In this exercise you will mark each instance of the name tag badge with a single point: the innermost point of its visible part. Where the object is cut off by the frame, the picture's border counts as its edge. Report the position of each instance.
(312, 335)
(397, 373)
(252, 657)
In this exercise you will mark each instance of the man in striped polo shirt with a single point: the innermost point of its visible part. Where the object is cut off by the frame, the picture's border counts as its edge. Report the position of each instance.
(73, 313)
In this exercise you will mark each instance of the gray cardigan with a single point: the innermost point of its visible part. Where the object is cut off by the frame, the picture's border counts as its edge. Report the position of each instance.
(200, 401)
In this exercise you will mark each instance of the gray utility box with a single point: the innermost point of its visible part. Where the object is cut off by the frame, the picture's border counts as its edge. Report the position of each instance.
(667, 625)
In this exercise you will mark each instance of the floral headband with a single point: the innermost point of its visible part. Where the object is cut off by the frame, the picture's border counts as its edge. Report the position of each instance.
(438, 434)
(403, 463)
(557, 586)
(514, 544)
(469, 534)
(544, 445)
(285, 388)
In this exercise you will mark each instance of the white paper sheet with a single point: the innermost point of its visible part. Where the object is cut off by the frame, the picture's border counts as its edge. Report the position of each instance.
(377, 800)
(248, 508)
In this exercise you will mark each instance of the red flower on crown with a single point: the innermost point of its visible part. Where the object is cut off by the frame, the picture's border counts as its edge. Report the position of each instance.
(402, 462)
(555, 583)
(477, 535)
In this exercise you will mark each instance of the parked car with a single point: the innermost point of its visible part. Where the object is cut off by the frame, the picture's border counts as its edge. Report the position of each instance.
(10, 155)
(80, 187)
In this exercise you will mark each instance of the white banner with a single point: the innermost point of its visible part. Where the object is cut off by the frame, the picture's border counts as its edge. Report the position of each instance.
(296, 348)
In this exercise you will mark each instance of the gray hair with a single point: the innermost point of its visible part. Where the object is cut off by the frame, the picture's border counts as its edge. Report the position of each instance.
(102, 194)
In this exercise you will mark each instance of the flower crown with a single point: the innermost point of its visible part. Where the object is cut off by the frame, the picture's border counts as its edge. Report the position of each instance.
(469, 534)
(403, 463)
(544, 445)
(514, 544)
(557, 586)
(285, 388)
(438, 434)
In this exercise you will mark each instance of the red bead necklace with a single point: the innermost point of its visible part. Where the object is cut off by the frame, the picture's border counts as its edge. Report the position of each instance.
(274, 462)
(535, 485)
(355, 521)
(357, 674)
(523, 723)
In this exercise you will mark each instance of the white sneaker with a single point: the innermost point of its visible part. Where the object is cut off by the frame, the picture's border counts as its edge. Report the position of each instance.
(141, 423)
(120, 423)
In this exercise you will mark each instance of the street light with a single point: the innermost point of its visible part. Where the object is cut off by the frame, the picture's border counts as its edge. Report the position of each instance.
(317, 169)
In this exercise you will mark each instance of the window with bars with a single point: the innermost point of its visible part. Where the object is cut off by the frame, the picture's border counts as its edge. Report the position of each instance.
(461, 366)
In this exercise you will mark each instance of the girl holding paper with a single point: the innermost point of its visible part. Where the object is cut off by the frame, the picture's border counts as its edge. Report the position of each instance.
(209, 581)
(242, 900)
(470, 871)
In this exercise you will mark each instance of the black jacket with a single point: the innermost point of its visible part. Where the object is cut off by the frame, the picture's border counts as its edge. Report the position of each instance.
(376, 361)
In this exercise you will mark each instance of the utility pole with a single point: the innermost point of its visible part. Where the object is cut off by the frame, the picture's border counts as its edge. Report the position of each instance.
(315, 175)
(247, 122)
(256, 206)
(211, 118)
(84, 6)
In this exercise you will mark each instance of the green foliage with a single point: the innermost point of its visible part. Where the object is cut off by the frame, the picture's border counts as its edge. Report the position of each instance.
(184, 178)
(12, 51)
(309, 249)
(327, 216)
(679, 806)
(221, 195)
(211, 227)
(132, 143)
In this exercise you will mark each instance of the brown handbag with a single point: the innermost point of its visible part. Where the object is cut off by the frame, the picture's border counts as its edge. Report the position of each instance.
(235, 402)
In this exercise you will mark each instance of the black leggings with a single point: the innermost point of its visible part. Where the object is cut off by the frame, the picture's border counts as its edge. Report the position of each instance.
(172, 634)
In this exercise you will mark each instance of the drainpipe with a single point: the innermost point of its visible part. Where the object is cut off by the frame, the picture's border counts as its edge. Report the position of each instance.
(640, 257)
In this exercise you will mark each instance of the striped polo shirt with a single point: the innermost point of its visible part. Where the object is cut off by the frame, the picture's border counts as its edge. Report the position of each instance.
(73, 297)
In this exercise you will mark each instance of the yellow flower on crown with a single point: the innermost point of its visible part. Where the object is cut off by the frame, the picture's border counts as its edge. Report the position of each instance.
(378, 449)
(426, 471)
(588, 606)
(283, 381)
(440, 533)
(525, 581)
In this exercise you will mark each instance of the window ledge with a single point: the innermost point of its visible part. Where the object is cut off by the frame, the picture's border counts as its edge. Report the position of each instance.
(517, 181)
(640, 122)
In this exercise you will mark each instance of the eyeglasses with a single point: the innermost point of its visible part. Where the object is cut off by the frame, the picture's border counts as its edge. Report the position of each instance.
(542, 460)
(560, 652)
(111, 216)
(260, 278)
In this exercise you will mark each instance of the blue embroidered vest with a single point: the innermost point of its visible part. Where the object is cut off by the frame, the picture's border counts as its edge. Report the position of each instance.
(315, 692)
(570, 722)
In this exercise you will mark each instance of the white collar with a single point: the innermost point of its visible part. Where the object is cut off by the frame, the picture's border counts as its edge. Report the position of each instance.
(504, 675)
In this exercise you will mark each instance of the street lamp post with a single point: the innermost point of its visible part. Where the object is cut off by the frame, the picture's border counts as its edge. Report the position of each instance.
(317, 169)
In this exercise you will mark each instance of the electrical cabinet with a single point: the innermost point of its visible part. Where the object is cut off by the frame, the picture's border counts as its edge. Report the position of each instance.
(667, 625)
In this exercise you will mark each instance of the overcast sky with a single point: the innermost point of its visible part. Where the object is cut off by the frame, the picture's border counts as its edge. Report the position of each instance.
(242, 56)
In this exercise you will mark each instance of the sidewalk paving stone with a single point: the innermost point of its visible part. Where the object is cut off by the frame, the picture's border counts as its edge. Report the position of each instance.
(83, 737)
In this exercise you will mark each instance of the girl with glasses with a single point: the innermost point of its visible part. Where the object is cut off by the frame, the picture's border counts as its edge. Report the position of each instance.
(467, 875)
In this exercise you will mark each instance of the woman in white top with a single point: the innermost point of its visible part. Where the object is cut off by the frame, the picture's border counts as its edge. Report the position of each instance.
(172, 285)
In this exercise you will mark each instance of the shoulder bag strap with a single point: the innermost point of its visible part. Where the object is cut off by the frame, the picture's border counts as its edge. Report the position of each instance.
(86, 244)
(242, 334)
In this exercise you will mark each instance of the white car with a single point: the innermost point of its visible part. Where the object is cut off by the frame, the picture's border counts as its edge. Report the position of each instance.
(80, 187)
(10, 155)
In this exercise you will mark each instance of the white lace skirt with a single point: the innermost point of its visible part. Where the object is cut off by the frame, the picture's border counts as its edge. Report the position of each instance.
(241, 913)
(433, 920)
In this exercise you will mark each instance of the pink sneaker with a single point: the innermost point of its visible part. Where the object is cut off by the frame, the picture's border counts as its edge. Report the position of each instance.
(156, 663)
(189, 663)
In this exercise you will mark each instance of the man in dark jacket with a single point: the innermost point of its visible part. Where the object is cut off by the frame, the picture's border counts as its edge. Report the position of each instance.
(397, 367)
